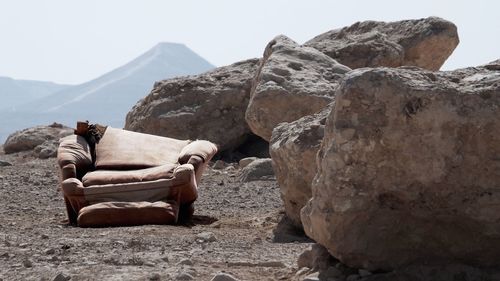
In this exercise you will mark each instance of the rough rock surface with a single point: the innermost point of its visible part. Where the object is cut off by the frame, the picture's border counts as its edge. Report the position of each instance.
(208, 106)
(426, 43)
(260, 169)
(293, 149)
(409, 169)
(292, 82)
(30, 138)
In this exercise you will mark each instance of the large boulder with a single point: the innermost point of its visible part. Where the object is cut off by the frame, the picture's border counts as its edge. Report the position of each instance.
(292, 82)
(409, 169)
(425, 43)
(47, 137)
(293, 148)
(208, 106)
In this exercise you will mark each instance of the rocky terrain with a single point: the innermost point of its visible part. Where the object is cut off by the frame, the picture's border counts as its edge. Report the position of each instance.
(236, 229)
(388, 165)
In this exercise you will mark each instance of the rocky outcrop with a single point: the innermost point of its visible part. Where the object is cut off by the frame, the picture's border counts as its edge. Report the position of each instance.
(293, 149)
(47, 137)
(425, 43)
(409, 169)
(292, 82)
(208, 106)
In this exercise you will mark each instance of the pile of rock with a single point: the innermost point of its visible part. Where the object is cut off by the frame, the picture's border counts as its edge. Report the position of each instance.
(381, 158)
(43, 140)
(294, 145)
(401, 163)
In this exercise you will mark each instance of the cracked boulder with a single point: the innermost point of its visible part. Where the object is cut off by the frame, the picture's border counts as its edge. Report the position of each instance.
(425, 43)
(208, 106)
(293, 148)
(292, 82)
(409, 169)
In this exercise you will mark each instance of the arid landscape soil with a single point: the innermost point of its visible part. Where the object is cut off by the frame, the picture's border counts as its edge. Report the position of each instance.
(236, 229)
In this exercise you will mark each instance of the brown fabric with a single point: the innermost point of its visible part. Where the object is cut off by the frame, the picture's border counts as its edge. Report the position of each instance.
(101, 177)
(68, 171)
(150, 191)
(122, 149)
(73, 197)
(202, 148)
(74, 150)
(128, 213)
(188, 188)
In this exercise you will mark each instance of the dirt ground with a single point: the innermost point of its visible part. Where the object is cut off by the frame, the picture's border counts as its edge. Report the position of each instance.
(245, 236)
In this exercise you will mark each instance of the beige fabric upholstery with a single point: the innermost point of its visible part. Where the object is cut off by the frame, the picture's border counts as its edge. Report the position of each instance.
(204, 149)
(181, 186)
(122, 149)
(128, 213)
(134, 179)
(101, 177)
(128, 192)
(74, 150)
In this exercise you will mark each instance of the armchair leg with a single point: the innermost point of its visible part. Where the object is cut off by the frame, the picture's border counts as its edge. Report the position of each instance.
(72, 215)
(186, 212)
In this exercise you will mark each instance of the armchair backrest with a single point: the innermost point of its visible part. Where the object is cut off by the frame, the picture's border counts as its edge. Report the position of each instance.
(122, 149)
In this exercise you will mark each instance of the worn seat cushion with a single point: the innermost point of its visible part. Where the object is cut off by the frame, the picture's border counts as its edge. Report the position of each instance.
(122, 149)
(128, 213)
(101, 177)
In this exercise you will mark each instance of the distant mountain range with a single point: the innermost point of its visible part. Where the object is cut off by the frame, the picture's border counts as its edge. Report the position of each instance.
(17, 92)
(105, 100)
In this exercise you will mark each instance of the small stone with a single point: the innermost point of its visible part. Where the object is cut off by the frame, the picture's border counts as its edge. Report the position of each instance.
(27, 263)
(364, 272)
(302, 271)
(4, 163)
(154, 277)
(61, 277)
(352, 277)
(331, 272)
(185, 262)
(50, 251)
(219, 164)
(150, 264)
(206, 237)
(312, 277)
(222, 276)
(184, 276)
(44, 236)
(245, 161)
(260, 169)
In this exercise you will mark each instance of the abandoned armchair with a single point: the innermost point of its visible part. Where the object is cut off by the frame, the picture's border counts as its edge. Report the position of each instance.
(130, 178)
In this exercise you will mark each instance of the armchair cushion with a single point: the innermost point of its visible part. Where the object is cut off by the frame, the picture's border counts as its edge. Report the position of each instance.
(101, 177)
(128, 213)
(122, 149)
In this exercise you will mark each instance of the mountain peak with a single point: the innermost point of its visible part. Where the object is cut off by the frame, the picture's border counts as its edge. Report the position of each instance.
(169, 47)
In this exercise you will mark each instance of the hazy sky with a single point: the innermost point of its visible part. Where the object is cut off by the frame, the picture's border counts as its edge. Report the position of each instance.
(70, 41)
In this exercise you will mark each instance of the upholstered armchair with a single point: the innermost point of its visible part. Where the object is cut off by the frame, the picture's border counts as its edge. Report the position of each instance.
(130, 178)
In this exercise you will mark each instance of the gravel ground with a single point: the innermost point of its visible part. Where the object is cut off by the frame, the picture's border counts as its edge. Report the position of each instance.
(235, 230)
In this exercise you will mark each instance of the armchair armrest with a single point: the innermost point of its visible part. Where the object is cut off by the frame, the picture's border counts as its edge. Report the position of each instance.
(201, 148)
(74, 153)
(68, 171)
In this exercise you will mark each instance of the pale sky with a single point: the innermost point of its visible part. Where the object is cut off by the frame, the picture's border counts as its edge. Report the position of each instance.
(70, 41)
